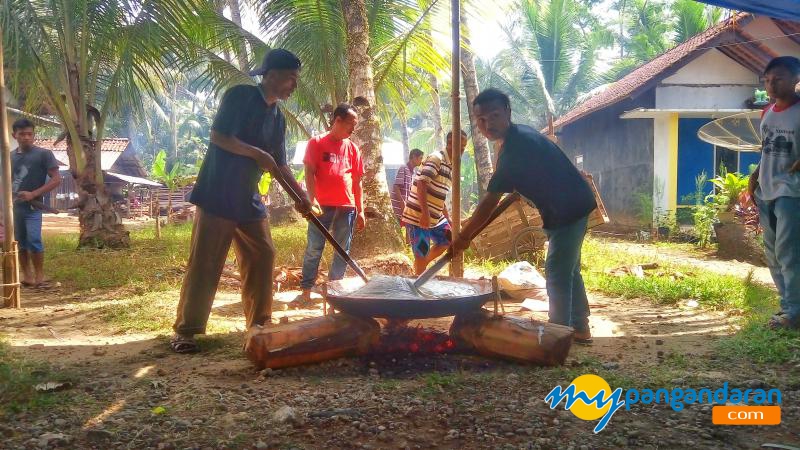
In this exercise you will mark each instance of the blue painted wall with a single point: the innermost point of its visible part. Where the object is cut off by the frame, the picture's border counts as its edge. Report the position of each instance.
(747, 158)
(694, 157)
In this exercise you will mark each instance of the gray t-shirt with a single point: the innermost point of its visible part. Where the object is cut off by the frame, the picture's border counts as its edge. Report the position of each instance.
(780, 134)
(29, 170)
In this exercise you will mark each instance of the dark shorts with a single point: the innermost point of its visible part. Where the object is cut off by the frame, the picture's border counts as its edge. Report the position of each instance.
(422, 239)
(28, 228)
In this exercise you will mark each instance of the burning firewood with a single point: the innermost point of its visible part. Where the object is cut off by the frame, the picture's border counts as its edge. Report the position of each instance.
(309, 341)
(514, 338)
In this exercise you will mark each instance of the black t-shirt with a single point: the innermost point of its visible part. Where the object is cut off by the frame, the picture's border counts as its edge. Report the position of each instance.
(535, 167)
(29, 170)
(227, 185)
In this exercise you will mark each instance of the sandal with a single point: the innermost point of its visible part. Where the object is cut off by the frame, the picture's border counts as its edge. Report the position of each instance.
(183, 344)
(582, 338)
(781, 321)
(44, 284)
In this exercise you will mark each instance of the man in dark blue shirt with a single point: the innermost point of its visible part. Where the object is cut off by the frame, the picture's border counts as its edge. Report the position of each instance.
(534, 166)
(34, 173)
(247, 139)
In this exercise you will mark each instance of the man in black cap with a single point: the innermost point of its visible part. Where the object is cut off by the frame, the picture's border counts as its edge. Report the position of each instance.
(247, 139)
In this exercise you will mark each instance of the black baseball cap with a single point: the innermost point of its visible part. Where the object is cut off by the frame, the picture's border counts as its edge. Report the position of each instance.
(278, 59)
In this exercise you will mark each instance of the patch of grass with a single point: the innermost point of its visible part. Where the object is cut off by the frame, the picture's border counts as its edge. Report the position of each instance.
(386, 385)
(757, 302)
(151, 312)
(755, 340)
(150, 264)
(710, 290)
(761, 345)
(437, 383)
(18, 380)
(668, 284)
(490, 266)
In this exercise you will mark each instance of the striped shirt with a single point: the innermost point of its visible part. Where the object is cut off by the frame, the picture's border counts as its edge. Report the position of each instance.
(403, 180)
(435, 170)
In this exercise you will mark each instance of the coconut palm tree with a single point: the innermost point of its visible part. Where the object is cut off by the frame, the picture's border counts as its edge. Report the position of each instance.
(480, 145)
(554, 46)
(353, 51)
(648, 28)
(83, 61)
(691, 18)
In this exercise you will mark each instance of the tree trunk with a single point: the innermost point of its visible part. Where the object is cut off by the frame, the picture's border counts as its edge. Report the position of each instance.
(404, 134)
(101, 226)
(169, 207)
(436, 104)
(382, 231)
(155, 212)
(173, 122)
(436, 114)
(483, 159)
(219, 5)
(236, 17)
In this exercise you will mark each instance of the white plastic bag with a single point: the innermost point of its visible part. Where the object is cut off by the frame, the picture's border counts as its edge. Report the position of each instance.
(521, 280)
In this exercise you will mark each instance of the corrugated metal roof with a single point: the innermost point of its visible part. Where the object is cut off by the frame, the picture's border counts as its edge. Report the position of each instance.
(134, 180)
(34, 117)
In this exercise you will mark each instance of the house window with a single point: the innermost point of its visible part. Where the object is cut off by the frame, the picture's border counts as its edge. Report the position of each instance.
(579, 162)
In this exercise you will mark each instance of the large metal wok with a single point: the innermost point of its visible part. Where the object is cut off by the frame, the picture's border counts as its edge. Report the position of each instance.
(339, 295)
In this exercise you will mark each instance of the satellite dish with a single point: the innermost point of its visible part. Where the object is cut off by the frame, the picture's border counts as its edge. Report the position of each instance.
(739, 132)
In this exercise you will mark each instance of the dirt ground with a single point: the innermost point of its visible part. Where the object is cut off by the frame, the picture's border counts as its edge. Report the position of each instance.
(130, 391)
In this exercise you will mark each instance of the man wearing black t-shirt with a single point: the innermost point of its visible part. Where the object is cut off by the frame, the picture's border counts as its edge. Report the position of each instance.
(534, 166)
(247, 139)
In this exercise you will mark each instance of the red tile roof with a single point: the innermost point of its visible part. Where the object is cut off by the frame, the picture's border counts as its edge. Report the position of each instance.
(117, 145)
(642, 77)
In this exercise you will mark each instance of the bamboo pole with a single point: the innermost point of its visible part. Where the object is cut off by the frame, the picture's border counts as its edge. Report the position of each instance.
(457, 264)
(10, 262)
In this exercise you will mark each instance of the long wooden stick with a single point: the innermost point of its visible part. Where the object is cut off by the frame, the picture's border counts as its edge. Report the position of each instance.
(10, 261)
(457, 264)
(313, 219)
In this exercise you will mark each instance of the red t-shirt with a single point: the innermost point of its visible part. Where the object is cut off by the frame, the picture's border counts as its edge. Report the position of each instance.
(337, 164)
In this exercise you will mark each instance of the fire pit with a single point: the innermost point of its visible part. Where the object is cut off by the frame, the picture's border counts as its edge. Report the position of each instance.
(392, 297)
(352, 331)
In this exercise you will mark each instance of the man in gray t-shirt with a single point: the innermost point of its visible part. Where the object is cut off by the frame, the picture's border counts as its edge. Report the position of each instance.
(775, 186)
(31, 167)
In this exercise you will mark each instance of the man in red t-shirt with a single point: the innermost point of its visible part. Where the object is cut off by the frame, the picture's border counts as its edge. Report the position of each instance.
(333, 180)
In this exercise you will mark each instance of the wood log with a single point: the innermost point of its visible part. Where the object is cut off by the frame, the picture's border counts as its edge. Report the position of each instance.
(309, 341)
(599, 215)
(514, 338)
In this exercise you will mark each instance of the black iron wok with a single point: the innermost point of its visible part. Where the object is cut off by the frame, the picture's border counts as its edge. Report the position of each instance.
(400, 308)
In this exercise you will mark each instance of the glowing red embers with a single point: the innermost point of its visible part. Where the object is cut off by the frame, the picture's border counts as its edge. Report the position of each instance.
(415, 340)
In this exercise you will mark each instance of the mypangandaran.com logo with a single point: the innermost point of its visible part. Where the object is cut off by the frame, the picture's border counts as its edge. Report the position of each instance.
(590, 397)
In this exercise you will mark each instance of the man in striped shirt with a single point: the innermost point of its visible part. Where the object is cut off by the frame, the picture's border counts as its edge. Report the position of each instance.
(425, 215)
(402, 182)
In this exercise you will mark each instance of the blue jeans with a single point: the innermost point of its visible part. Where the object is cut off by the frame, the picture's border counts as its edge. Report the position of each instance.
(780, 221)
(568, 302)
(339, 221)
(28, 228)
